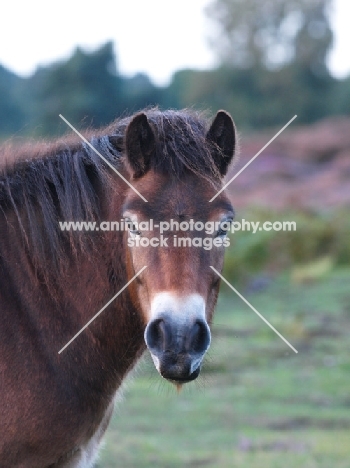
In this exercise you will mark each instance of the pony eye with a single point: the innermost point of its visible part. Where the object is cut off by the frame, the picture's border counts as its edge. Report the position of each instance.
(224, 228)
(221, 233)
(134, 231)
(132, 228)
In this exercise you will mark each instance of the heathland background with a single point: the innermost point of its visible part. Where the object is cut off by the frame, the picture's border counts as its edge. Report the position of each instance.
(257, 404)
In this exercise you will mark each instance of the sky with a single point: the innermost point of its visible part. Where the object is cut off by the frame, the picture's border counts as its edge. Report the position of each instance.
(156, 37)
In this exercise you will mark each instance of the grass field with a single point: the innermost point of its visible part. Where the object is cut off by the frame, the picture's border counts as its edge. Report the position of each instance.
(257, 403)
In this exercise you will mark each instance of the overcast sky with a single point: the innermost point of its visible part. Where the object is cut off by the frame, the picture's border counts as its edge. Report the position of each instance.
(157, 37)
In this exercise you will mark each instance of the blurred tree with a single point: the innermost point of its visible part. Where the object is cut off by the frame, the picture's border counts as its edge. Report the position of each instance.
(11, 108)
(255, 100)
(139, 92)
(276, 51)
(341, 98)
(85, 89)
(272, 33)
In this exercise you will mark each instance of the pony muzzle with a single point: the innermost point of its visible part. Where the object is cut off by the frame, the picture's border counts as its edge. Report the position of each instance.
(177, 346)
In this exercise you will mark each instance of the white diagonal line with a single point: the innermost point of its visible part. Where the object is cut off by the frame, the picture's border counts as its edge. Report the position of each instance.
(103, 308)
(102, 157)
(254, 310)
(254, 157)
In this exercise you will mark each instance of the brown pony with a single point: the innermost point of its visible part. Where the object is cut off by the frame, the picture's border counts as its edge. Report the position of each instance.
(55, 406)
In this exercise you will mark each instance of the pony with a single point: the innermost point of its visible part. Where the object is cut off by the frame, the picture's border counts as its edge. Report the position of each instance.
(55, 406)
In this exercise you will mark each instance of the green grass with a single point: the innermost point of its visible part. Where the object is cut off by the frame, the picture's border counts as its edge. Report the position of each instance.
(257, 403)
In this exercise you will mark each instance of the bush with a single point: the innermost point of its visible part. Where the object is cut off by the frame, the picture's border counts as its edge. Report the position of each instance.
(317, 236)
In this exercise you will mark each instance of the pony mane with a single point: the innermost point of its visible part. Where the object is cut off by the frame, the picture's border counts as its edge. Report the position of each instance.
(43, 183)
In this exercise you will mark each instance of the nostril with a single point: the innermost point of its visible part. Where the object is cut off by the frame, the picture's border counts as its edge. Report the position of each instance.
(200, 337)
(155, 335)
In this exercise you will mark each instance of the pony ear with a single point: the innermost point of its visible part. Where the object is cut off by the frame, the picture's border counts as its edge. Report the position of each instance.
(222, 136)
(140, 143)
